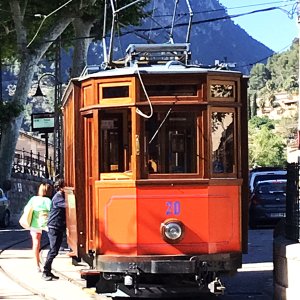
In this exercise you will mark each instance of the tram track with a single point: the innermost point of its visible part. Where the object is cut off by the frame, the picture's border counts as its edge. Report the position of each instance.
(15, 281)
(33, 292)
(22, 281)
(13, 244)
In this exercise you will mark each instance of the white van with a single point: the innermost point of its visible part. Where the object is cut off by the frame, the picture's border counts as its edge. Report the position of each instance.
(262, 175)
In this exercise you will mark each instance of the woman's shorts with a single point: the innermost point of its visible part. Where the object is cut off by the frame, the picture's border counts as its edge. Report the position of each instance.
(35, 230)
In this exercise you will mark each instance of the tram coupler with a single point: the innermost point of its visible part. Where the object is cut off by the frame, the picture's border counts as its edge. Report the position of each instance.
(216, 287)
(131, 281)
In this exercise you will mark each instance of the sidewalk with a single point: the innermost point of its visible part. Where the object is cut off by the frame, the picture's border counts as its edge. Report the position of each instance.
(19, 265)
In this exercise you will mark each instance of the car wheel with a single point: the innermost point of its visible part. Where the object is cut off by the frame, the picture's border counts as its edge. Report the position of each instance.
(5, 219)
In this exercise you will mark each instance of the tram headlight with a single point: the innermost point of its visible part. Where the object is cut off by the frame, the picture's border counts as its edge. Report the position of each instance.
(172, 230)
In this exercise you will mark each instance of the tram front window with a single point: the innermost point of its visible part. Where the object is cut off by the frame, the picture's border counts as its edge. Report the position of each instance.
(171, 142)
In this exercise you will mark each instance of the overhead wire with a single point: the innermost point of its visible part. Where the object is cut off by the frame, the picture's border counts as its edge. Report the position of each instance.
(290, 15)
(213, 19)
(265, 58)
(224, 8)
(44, 19)
(136, 30)
(261, 4)
(152, 19)
(184, 24)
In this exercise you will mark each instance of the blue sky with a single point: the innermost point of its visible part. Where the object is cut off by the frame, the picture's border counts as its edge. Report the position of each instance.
(275, 29)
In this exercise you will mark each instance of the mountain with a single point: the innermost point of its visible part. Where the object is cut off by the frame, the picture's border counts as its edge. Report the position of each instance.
(213, 36)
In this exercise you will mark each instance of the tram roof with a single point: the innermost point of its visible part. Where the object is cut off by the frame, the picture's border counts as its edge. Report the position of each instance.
(171, 67)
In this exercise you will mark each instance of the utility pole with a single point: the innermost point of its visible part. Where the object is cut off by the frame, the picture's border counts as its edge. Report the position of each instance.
(58, 153)
(298, 22)
(1, 78)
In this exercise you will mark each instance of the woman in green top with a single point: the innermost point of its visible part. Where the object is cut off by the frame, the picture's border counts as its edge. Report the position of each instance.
(41, 206)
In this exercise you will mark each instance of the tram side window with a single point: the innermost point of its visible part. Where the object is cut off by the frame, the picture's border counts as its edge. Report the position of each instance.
(223, 141)
(115, 150)
(171, 143)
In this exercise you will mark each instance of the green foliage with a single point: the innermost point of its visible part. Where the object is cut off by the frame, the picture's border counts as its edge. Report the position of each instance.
(259, 122)
(266, 148)
(30, 11)
(34, 13)
(259, 75)
(280, 74)
(287, 128)
(284, 68)
(8, 111)
(266, 137)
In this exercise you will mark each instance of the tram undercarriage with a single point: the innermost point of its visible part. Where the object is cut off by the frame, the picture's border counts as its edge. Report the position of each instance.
(166, 276)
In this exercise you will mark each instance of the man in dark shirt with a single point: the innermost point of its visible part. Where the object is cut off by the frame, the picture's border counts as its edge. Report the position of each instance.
(56, 227)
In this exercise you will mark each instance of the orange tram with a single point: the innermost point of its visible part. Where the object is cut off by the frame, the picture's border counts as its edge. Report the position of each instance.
(156, 170)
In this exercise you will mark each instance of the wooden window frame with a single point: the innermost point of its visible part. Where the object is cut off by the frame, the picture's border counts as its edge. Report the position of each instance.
(236, 146)
(199, 131)
(233, 83)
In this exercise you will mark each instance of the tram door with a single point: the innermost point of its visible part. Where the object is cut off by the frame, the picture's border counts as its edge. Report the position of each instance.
(90, 163)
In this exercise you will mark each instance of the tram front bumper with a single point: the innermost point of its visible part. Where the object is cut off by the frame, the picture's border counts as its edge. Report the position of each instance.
(221, 262)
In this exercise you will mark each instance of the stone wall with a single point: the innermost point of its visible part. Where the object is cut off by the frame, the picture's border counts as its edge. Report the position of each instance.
(23, 186)
(286, 260)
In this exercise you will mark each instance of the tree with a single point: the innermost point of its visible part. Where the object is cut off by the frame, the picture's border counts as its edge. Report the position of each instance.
(28, 54)
(284, 69)
(89, 23)
(280, 74)
(258, 122)
(27, 39)
(287, 128)
(259, 75)
(266, 147)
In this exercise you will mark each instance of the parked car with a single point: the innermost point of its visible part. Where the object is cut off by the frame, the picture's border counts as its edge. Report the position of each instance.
(267, 203)
(4, 210)
(267, 173)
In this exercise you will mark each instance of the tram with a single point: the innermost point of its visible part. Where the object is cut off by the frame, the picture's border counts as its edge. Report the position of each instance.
(156, 166)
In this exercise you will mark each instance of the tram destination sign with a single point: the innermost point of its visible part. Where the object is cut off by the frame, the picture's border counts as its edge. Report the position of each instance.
(42, 122)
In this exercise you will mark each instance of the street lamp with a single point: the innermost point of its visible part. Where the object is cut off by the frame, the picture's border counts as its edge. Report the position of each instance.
(43, 123)
(57, 124)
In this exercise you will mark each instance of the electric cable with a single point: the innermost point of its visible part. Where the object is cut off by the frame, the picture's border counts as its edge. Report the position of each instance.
(146, 94)
(44, 19)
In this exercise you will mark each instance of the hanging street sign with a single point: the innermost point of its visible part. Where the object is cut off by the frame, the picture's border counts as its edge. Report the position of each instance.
(42, 122)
